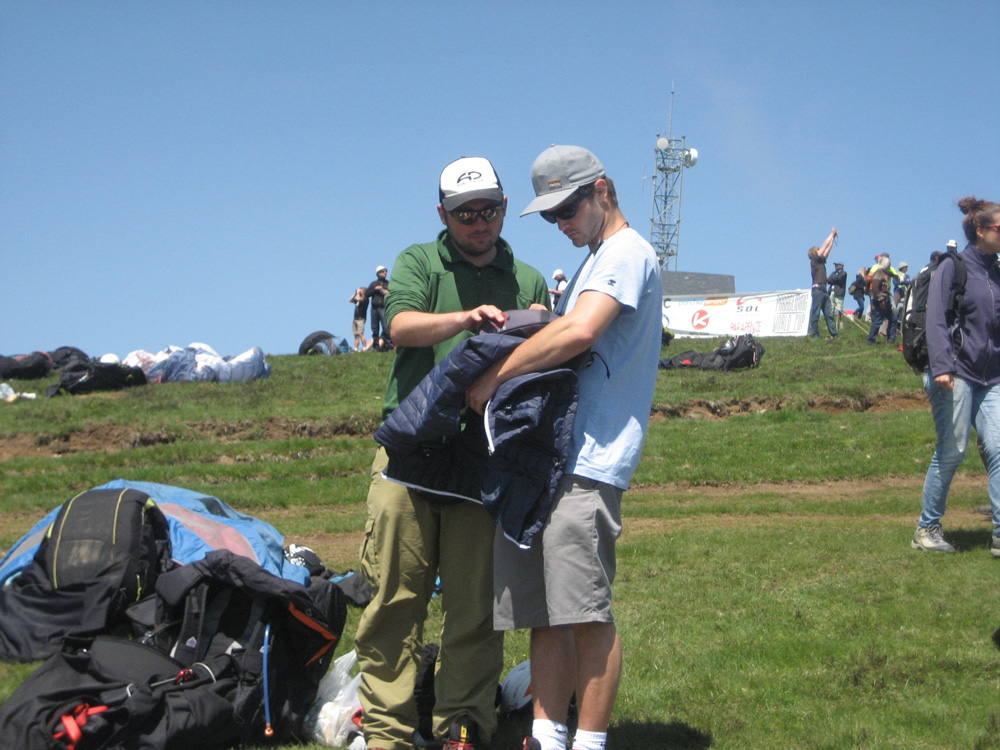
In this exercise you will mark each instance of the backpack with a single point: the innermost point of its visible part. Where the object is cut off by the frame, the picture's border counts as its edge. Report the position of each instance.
(228, 653)
(118, 536)
(322, 342)
(90, 376)
(739, 352)
(914, 318)
(97, 554)
(878, 285)
(26, 367)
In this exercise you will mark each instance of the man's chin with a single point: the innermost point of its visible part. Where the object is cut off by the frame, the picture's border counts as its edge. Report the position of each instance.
(476, 250)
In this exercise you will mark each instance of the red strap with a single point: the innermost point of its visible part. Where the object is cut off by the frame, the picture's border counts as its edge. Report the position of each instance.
(331, 639)
(74, 720)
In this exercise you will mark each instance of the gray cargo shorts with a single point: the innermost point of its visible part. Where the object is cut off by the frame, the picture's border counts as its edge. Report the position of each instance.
(565, 578)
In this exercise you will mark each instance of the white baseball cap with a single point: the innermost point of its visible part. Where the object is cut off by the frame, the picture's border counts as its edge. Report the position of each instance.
(557, 273)
(557, 172)
(951, 243)
(379, 269)
(468, 179)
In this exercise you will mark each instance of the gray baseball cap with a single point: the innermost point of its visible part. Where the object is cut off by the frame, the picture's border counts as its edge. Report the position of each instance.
(557, 172)
(468, 179)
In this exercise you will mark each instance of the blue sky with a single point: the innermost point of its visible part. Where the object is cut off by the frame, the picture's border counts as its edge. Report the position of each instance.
(227, 172)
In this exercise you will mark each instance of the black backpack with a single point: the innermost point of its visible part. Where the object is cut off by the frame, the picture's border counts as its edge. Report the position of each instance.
(913, 325)
(26, 367)
(739, 352)
(117, 536)
(226, 653)
(102, 552)
(91, 376)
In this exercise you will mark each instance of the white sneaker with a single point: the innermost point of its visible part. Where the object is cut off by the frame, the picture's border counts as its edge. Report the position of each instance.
(931, 539)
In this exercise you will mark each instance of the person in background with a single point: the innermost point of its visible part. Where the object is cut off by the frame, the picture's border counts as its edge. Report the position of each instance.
(838, 287)
(820, 295)
(900, 283)
(881, 300)
(560, 278)
(360, 300)
(442, 292)
(376, 294)
(561, 586)
(858, 290)
(963, 380)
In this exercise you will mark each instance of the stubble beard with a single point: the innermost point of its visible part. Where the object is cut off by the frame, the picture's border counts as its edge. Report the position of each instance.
(474, 251)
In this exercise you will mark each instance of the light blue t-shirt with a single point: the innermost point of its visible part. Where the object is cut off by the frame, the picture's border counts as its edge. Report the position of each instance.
(616, 389)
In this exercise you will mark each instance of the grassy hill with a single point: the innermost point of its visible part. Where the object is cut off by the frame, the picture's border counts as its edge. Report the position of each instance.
(767, 595)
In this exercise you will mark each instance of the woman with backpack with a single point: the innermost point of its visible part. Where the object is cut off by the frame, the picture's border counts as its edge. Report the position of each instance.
(963, 375)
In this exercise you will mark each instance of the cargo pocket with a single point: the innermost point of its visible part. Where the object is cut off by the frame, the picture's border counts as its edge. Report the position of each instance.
(369, 556)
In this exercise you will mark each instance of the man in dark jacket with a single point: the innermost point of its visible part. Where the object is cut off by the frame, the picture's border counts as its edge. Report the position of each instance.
(376, 295)
(838, 288)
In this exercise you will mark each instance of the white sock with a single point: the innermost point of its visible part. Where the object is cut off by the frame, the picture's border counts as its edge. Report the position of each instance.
(589, 740)
(550, 735)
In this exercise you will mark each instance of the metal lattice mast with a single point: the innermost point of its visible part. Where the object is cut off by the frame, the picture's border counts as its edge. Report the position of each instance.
(672, 157)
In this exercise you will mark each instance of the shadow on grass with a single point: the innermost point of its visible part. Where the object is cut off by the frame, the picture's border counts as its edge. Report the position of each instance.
(969, 540)
(632, 735)
(673, 736)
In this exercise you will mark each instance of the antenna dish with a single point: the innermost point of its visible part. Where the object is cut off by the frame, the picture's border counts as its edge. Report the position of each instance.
(662, 144)
(691, 157)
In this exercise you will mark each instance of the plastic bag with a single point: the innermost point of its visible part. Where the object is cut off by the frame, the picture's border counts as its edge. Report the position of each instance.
(330, 721)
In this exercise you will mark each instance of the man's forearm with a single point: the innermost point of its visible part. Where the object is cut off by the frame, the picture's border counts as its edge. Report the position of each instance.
(413, 328)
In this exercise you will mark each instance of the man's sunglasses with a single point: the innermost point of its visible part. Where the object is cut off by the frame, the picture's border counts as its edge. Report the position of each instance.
(567, 212)
(470, 217)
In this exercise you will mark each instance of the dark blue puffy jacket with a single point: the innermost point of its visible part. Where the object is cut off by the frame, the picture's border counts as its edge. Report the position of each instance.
(511, 459)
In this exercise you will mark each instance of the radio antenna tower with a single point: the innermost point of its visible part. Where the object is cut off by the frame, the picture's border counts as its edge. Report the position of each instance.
(672, 157)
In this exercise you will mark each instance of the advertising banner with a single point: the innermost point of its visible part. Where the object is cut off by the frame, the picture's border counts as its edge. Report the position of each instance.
(760, 313)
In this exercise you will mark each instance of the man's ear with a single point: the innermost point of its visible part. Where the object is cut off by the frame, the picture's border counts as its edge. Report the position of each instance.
(441, 213)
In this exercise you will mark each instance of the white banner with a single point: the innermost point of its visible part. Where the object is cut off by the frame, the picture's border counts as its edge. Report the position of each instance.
(760, 313)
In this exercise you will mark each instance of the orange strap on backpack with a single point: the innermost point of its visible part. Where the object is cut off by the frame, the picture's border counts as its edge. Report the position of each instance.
(72, 722)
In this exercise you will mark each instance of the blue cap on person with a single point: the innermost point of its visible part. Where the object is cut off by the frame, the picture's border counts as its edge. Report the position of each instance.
(467, 179)
(557, 172)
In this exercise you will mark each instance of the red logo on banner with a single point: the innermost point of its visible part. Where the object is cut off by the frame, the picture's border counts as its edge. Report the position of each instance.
(699, 320)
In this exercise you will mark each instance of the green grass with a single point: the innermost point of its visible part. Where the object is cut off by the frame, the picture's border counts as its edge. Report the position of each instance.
(766, 594)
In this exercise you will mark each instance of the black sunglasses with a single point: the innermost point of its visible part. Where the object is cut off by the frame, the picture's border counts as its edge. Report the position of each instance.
(470, 217)
(567, 212)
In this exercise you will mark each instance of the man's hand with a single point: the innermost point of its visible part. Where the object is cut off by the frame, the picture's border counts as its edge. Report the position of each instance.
(946, 381)
(482, 390)
(478, 316)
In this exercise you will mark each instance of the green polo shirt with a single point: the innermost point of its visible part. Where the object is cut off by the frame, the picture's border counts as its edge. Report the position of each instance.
(434, 278)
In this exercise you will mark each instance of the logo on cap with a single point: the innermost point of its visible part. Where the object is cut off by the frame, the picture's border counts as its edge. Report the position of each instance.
(468, 176)
(555, 184)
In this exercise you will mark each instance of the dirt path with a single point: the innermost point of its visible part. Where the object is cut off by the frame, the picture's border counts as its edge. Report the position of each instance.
(112, 438)
(340, 551)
